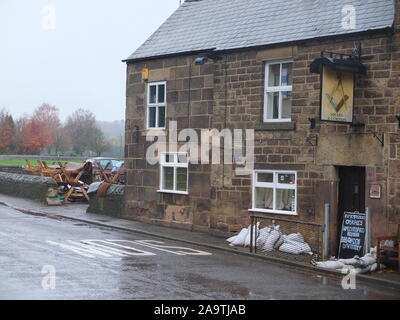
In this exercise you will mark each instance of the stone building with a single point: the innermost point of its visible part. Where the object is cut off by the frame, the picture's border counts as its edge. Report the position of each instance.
(249, 65)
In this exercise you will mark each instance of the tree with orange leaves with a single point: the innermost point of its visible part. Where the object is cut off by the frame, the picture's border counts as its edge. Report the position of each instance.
(35, 136)
(7, 132)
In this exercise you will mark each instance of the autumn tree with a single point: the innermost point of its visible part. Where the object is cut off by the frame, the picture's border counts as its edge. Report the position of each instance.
(83, 130)
(61, 140)
(48, 115)
(35, 136)
(7, 132)
(100, 144)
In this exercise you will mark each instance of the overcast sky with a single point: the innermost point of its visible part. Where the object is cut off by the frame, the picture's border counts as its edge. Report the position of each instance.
(68, 52)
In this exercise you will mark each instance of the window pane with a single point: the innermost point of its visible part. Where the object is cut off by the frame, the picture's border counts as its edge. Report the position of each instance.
(161, 93)
(286, 77)
(272, 105)
(168, 178)
(274, 75)
(161, 117)
(182, 158)
(285, 199)
(286, 178)
(264, 198)
(169, 157)
(181, 179)
(152, 94)
(286, 104)
(265, 177)
(152, 117)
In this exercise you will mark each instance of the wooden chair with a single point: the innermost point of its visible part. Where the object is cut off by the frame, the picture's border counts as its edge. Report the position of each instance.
(395, 250)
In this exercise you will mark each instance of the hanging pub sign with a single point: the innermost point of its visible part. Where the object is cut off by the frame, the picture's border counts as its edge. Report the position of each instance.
(337, 94)
(337, 85)
(352, 237)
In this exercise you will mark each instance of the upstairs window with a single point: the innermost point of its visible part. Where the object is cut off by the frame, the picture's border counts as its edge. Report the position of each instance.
(156, 105)
(278, 91)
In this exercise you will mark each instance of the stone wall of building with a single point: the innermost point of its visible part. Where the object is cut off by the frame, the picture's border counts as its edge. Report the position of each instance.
(229, 93)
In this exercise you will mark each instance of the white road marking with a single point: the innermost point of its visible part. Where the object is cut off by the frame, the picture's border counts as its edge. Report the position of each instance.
(93, 248)
(158, 246)
(137, 252)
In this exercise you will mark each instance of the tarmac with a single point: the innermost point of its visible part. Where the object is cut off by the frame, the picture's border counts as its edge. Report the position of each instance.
(77, 212)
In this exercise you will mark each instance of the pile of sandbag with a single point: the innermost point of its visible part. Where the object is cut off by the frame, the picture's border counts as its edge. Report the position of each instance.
(358, 265)
(271, 238)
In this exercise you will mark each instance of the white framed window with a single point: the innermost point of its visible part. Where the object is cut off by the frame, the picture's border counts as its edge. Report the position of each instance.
(174, 173)
(156, 105)
(275, 192)
(278, 91)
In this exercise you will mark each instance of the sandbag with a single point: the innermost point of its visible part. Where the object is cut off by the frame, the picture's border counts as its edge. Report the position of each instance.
(231, 239)
(272, 239)
(255, 234)
(290, 248)
(280, 242)
(330, 264)
(240, 238)
(368, 260)
(263, 236)
(351, 261)
(295, 237)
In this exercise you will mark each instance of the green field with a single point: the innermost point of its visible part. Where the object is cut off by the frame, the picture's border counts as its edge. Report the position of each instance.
(33, 162)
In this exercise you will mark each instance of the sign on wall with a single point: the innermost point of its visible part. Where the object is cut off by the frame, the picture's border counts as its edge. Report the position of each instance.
(352, 237)
(337, 94)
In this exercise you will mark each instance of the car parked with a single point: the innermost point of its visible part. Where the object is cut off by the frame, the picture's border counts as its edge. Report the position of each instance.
(114, 166)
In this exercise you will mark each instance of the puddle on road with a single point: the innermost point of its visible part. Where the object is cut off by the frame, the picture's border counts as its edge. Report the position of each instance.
(215, 285)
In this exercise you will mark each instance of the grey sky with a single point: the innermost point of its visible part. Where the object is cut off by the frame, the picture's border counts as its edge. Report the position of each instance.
(77, 64)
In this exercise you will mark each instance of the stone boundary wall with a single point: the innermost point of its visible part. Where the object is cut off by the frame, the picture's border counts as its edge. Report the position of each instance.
(13, 169)
(26, 186)
(111, 205)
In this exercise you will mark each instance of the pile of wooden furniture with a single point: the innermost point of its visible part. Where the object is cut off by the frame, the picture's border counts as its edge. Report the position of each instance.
(73, 179)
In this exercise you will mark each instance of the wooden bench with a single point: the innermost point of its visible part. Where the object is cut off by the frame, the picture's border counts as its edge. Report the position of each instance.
(395, 250)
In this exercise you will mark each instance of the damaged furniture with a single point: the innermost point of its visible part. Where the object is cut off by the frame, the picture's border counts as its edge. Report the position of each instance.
(388, 248)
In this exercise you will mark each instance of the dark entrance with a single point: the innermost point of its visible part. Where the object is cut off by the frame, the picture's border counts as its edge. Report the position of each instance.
(351, 192)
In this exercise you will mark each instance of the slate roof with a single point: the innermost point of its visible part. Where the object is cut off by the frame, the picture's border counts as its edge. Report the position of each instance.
(232, 24)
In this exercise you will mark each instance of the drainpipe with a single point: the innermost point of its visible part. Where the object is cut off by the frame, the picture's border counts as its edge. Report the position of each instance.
(325, 253)
(367, 244)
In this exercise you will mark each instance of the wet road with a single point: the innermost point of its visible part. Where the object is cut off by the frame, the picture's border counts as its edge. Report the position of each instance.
(125, 265)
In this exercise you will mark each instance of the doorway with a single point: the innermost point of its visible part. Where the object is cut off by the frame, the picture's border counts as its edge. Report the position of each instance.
(351, 192)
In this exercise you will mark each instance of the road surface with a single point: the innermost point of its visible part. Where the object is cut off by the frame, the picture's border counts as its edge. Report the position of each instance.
(43, 258)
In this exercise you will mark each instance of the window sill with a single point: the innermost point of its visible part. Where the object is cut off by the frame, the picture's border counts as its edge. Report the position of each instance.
(154, 132)
(270, 126)
(174, 192)
(286, 213)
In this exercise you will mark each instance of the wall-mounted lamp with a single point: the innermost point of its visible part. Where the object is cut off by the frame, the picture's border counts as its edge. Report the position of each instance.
(204, 57)
(312, 122)
(145, 74)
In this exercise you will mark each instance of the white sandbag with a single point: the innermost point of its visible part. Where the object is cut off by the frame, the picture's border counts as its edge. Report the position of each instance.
(272, 239)
(231, 239)
(255, 234)
(330, 264)
(280, 242)
(240, 238)
(263, 236)
(290, 248)
(368, 260)
(352, 261)
(295, 237)
(295, 247)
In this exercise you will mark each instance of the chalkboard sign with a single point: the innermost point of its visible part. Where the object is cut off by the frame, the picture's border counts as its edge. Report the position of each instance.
(352, 237)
